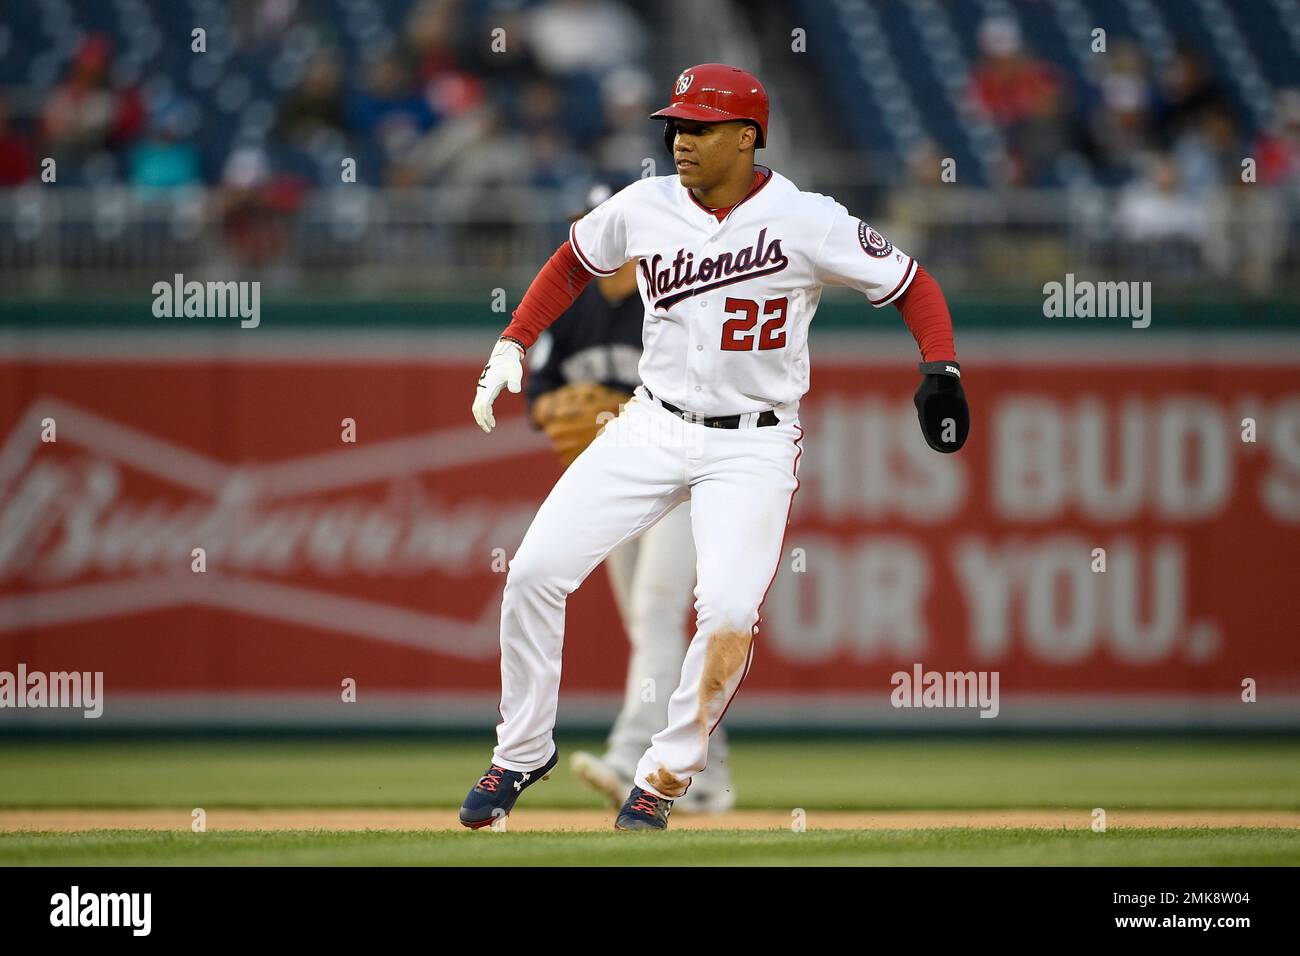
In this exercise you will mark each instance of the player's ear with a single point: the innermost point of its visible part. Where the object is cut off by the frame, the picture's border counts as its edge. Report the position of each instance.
(748, 137)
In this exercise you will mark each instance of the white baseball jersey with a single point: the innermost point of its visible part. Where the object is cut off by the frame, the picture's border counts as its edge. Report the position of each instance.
(728, 304)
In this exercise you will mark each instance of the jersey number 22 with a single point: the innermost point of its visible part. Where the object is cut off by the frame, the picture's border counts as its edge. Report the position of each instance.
(738, 333)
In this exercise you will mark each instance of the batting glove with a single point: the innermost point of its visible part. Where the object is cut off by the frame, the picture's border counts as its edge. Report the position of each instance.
(504, 368)
(941, 406)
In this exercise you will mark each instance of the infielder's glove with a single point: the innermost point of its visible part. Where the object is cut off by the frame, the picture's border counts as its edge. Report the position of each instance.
(573, 415)
(941, 406)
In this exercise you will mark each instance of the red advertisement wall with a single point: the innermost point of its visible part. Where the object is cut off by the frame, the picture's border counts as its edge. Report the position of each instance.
(381, 561)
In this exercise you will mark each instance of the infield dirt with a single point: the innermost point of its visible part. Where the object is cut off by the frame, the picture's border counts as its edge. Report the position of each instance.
(594, 820)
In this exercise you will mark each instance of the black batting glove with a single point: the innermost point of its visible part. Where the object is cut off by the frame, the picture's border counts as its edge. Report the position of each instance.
(941, 406)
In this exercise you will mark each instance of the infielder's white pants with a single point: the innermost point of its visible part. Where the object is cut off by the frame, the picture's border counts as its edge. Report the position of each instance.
(653, 577)
(740, 483)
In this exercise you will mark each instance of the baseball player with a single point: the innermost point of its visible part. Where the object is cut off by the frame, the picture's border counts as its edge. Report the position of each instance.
(731, 261)
(582, 370)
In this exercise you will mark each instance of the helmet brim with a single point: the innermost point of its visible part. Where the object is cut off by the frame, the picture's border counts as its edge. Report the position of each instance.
(705, 114)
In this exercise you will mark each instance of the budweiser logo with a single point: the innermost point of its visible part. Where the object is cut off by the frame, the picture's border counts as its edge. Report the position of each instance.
(281, 540)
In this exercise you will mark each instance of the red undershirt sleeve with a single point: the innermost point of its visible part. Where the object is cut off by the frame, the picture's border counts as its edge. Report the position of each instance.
(926, 313)
(554, 289)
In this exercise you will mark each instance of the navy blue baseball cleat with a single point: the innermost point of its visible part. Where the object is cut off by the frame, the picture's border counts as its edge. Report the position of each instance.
(643, 811)
(494, 796)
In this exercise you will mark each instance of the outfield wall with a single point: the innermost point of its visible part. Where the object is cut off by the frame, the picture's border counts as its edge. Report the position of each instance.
(380, 562)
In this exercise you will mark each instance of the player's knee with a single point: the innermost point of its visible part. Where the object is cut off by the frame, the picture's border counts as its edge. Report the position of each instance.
(533, 573)
(727, 615)
(526, 573)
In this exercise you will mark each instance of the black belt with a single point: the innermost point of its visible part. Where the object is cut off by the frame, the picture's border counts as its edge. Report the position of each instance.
(765, 418)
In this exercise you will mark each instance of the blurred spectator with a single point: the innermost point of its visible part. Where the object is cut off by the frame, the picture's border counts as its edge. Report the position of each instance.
(583, 36)
(905, 207)
(1022, 95)
(257, 207)
(508, 64)
(431, 34)
(1245, 236)
(453, 93)
(923, 164)
(1188, 90)
(538, 106)
(316, 103)
(1155, 207)
(476, 149)
(391, 108)
(85, 113)
(263, 22)
(1120, 131)
(626, 100)
(550, 147)
(1209, 153)
(17, 155)
(1249, 220)
(1277, 149)
(162, 160)
(553, 160)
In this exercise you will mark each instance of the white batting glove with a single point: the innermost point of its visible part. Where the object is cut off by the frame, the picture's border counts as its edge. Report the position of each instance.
(504, 368)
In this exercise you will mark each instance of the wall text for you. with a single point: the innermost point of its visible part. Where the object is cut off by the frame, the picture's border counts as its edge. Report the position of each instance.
(1060, 480)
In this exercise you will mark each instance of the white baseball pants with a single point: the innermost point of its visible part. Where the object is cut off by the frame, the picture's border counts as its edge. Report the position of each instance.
(740, 483)
(653, 577)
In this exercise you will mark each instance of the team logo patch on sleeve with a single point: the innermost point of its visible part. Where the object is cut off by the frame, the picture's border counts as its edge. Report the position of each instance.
(873, 243)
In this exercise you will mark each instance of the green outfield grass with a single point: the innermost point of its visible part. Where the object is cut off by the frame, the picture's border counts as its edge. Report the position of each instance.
(819, 773)
(951, 847)
(774, 774)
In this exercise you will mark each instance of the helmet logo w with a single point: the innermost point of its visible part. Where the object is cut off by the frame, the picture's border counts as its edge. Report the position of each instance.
(684, 83)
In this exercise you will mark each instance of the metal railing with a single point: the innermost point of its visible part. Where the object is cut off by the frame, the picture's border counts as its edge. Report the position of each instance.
(354, 240)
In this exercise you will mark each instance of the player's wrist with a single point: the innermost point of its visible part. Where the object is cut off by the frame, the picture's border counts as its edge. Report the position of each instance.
(942, 367)
(510, 338)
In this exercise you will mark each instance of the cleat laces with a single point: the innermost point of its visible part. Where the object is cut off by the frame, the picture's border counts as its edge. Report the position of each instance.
(647, 803)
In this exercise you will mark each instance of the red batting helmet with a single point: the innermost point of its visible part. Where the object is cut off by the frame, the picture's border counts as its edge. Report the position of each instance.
(715, 92)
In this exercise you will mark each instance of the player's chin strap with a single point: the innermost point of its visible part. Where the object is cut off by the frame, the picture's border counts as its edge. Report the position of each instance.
(940, 368)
